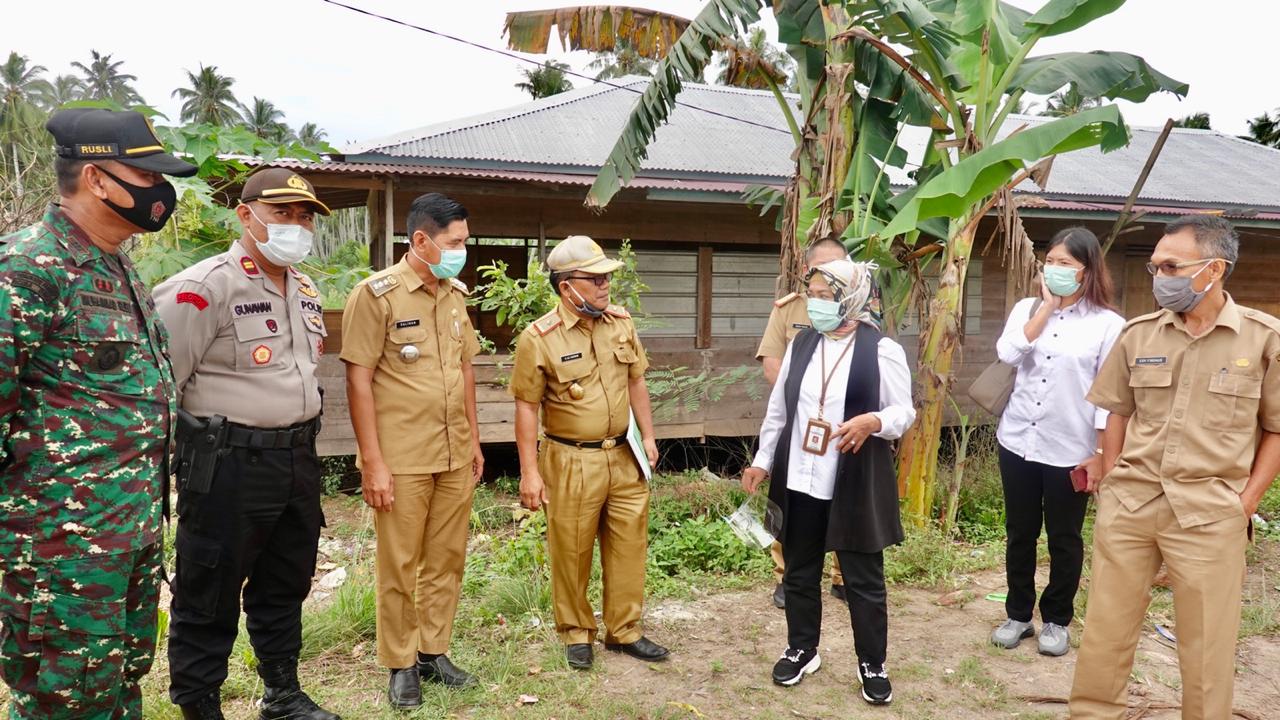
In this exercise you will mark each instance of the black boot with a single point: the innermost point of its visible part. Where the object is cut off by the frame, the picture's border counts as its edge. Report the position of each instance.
(284, 697)
(208, 707)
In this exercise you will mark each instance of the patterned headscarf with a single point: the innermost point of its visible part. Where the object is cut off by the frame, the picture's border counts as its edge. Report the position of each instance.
(853, 287)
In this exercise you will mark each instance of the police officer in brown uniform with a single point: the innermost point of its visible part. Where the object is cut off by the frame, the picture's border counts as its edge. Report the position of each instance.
(247, 334)
(788, 318)
(1190, 447)
(583, 366)
(407, 345)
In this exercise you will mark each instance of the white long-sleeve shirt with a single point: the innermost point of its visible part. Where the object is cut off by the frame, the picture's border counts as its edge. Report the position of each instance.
(1048, 420)
(815, 475)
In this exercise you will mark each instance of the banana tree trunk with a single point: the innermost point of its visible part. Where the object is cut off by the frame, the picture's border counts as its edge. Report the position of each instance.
(939, 341)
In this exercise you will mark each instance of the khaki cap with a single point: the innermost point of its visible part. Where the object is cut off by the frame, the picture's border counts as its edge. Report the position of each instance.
(579, 252)
(278, 186)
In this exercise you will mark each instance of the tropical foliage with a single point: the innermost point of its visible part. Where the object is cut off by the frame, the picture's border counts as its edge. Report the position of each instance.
(1265, 129)
(102, 79)
(756, 63)
(1199, 121)
(208, 98)
(545, 80)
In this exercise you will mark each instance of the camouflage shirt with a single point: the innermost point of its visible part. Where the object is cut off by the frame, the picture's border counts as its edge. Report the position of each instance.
(86, 398)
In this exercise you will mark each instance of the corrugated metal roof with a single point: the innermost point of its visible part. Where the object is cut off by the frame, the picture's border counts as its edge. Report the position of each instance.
(573, 133)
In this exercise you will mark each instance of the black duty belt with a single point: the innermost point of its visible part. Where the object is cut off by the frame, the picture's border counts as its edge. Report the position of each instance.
(274, 439)
(590, 444)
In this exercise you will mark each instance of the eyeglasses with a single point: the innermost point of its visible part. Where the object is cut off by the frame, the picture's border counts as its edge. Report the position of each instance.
(597, 280)
(1172, 268)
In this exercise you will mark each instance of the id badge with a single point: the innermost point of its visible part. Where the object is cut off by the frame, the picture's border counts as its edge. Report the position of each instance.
(817, 434)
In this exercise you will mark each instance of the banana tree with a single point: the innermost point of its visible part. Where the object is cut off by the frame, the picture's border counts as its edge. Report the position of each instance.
(978, 54)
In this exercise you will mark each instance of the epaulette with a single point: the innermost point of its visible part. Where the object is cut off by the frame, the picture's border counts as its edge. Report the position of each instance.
(1262, 318)
(380, 286)
(1144, 318)
(785, 299)
(547, 323)
(201, 271)
(617, 311)
(460, 286)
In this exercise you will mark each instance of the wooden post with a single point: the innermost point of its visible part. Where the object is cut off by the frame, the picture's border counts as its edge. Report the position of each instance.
(542, 241)
(377, 218)
(704, 297)
(389, 230)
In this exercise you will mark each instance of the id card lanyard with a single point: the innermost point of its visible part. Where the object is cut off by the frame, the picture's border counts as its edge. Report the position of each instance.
(817, 434)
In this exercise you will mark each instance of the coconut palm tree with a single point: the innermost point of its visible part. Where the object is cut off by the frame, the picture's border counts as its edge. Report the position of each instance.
(63, 89)
(20, 84)
(1199, 121)
(1265, 129)
(1068, 102)
(757, 64)
(545, 80)
(208, 99)
(311, 136)
(623, 60)
(265, 120)
(102, 80)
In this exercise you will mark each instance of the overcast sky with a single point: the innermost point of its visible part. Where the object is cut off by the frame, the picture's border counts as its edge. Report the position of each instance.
(360, 78)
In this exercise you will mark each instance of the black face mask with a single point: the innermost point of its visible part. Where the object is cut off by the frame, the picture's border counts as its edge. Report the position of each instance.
(152, 206)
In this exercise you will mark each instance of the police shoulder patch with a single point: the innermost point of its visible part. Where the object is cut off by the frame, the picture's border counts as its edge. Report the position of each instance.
(617, 311)
(785, 299)
(380, 286)
(547, 323)
(460, 286)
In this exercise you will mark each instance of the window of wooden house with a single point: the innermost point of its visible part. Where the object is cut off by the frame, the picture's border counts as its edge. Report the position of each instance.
(972, 302)
(742, 292)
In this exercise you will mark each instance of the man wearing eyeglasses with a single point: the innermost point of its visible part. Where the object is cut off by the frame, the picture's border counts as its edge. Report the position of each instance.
(583, 366)
(1190, 447)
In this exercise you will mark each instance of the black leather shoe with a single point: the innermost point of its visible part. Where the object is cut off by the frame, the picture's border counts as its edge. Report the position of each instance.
(579, 656)
(779, 596)
(440, 670)
(837, 592)
(642, 649)
(405, 690)
(283, 697)
(208, 707)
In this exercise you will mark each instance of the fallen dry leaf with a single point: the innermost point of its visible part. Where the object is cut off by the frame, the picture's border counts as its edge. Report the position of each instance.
(535, 670)
(527, 700)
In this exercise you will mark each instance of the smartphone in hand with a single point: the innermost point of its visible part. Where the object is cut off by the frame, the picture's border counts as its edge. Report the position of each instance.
(1080, 479)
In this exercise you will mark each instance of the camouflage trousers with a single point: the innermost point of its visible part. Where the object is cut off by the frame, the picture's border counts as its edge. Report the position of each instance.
(76, 636)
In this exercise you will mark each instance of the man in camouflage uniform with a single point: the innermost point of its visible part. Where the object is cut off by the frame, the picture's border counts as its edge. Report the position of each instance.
(86, 408)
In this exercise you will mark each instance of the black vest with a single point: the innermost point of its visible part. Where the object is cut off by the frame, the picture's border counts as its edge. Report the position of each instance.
(864, 507)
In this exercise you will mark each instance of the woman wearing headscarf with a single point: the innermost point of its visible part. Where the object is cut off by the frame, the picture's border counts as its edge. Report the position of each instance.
(843, 393)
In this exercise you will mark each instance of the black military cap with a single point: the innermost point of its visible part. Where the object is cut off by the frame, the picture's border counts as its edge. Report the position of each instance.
(123, 136)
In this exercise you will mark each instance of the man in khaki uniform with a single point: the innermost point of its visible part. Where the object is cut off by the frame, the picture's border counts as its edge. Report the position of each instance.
(246, 335)
(788, 317)
(583, 366)
(1190, 447)
(408, 344)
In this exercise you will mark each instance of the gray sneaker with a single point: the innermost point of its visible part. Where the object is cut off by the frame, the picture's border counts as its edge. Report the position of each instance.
(1055, 640)
(1011, 633)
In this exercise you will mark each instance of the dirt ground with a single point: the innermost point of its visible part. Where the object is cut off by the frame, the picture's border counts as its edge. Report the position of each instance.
(939, 660)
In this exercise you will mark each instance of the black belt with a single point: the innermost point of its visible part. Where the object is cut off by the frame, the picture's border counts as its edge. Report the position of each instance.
(276, 439)
(590, 444)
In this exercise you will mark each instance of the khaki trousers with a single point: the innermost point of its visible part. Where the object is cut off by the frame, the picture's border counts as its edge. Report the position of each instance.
(422, 548)
(595, 493)
(775, 550)
(1206, 571)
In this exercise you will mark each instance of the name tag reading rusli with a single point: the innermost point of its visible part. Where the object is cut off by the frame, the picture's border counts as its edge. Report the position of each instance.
(817, 435)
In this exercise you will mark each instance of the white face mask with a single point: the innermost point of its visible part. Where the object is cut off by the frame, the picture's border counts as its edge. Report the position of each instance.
(286, 244)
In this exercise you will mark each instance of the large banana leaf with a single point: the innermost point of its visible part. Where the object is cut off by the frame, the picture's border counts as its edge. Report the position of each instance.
(595, 28)
(956, 190)
(1063, 16)
(686, 61)
(1096, 74)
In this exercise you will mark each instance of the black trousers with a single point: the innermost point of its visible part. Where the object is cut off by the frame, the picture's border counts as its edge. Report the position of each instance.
(259, 522)
(803, 551)
(1036, 494)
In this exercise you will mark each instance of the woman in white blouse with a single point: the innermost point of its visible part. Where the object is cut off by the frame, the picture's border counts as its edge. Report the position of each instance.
(1057, 342)
(843, 393)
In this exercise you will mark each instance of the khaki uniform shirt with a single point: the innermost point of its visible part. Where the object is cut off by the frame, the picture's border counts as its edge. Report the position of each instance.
(789, 317)
(560, 351)
(1197, 407)
(420, 401)
(239, 348)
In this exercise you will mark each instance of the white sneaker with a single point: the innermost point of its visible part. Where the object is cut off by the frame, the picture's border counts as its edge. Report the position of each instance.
(1055, 640)
(1011, 633)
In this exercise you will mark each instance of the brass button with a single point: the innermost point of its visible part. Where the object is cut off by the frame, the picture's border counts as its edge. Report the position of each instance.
(576, 392)
(1177, 413)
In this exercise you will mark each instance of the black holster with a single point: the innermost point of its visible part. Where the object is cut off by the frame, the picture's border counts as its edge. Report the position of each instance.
(200, 444)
